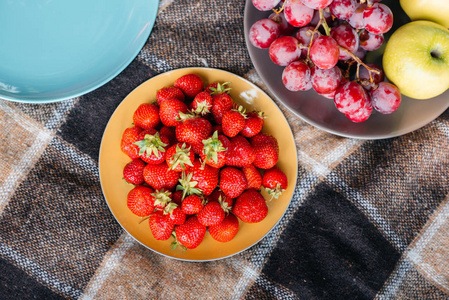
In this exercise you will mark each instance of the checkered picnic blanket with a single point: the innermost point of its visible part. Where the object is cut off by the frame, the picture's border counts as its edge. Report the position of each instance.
(368, 219)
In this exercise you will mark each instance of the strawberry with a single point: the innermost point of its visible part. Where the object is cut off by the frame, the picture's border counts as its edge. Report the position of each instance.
(226, 230)
(160, 177)
(140, 201)
(133, 171)
(161, 198)
(211, 214)
(253, 177)
(177, 197)
(169, 111)
(217, 87)
(225, 201)
(191, 233)
(217, 128)
(152, 146)
(129, 137)
(214, 150)
(192, 204)
(253, 124)
(179, 157)
(250, 207)
(233, 121)
(266, 150)
(190, 85)
(240, 153)
(206, 177)
(202, 103)
(275, 182)
(161, 226)
(146, 116)
(169, 92)
(177, 216)
(193, 131)
(222, 102)
(170, 133)
(232, 182)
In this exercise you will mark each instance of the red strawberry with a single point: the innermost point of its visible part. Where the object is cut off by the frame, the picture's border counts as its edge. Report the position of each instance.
(217, 128)
(250, 207)
(192, 204)
(206, 177)
(253, 124)
(160, 177)
(177, 216)
(133, 171)
(240, 152)
(161, 198)
(190, 85)
(161, 226)
(193, 131)
(253, 177)
(233, 121)
(266, 150)
(129, 137)
(214, 150)
(187, 185)
(177, 197)
(226, 230)
(180, 157)
(191, 233)
(211, 214)
(140, 201)
(225, 201)
(202, 103)
(169, 92)
(169, 111)
(217, 87)
(146, 116)
(275, 182)
(222, 102)
(170, 133)
(152, 146)
(232, 182)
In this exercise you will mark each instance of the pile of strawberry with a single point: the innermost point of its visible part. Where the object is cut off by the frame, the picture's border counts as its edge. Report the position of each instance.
(197, 162)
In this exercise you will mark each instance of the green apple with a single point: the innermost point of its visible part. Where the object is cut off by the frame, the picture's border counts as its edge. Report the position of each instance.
(416, 59)
(431, 10)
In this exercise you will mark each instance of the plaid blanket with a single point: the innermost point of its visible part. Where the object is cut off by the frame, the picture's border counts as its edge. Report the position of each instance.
(368, 219)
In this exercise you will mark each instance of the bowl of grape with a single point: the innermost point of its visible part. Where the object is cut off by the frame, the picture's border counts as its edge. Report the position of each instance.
(322, 60)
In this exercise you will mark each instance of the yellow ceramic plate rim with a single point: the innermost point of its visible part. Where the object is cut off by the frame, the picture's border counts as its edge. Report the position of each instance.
(112, 160)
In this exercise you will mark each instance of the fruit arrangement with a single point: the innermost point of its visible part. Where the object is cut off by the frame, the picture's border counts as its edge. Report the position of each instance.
(199, 162)
(322, 44)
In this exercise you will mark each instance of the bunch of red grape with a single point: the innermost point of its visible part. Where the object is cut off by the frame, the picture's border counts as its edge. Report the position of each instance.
(322, 45)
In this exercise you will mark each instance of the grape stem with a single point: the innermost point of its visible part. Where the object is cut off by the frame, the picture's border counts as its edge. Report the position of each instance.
(324, 23)
(278, 11)
(359, 61)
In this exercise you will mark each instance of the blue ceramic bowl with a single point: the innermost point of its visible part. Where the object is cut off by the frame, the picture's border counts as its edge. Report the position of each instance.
(54, 50)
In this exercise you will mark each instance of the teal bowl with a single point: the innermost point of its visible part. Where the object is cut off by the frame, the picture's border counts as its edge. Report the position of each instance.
(55, 50)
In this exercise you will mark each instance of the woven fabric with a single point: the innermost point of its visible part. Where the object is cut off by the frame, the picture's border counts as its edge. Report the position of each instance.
(368, 219)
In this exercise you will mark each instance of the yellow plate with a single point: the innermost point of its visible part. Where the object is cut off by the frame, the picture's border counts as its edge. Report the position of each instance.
(112, 161)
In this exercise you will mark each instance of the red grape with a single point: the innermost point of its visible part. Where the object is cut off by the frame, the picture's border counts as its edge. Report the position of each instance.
(377, 78)
(350, 97)
(386, 98)
(296, 76)
(360, 53)
(265, 5)
(263, 32)
(284, 50)
(343, 9)
(356, 20)
(325, 81)
(304, 35)
(297, 14)
(286, 28)
(317, 4)
(324, 52)
(378, 18)
(346, 37)
(316, 17)
(370, 41)
(362, 114)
